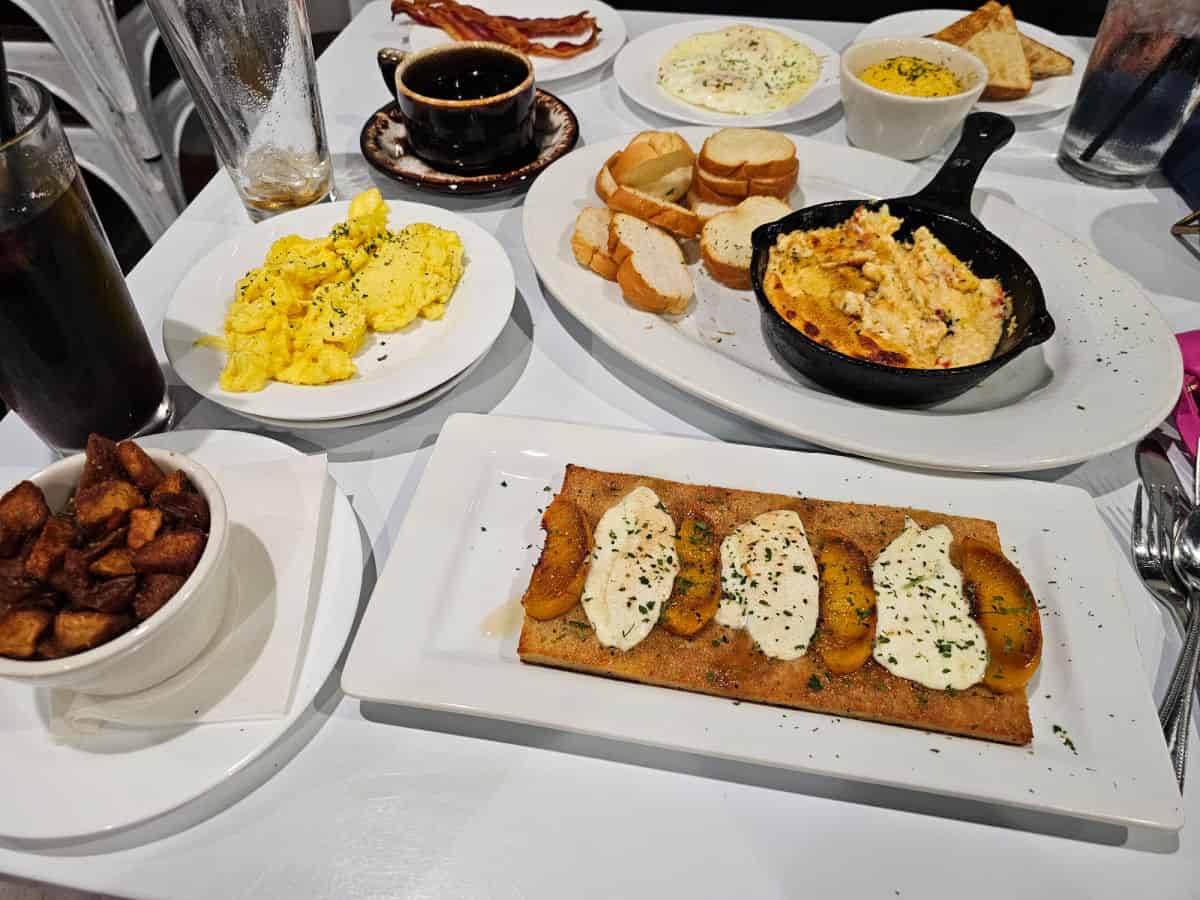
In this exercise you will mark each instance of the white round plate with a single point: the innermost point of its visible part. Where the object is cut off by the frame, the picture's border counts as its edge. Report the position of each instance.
(1109, 375)
(1047, 96)
(636, 71)
(369, 418)
(392, 368)
(547, 68)
(120, 777)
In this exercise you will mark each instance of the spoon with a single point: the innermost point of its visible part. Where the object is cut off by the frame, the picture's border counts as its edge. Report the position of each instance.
(1187, 564)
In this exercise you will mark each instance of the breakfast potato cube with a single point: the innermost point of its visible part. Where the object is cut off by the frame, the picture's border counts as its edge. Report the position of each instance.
(105, 506)
(114, 595)
(101, 463)
(156, 590)
(558, 577)
(142, 470)
(17, 591)
(696, 593)
(76, 630)
(20, 630)
(174, 553)
(144, 524)
(48, 648)
(186, 509)
(114, 563)
(23, 511)
(175, 483)
(57, 537)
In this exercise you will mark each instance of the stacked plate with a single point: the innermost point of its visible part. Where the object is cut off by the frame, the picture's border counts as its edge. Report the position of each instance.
(397, 372)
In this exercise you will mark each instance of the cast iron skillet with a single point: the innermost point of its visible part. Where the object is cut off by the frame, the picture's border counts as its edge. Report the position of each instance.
(943, 206)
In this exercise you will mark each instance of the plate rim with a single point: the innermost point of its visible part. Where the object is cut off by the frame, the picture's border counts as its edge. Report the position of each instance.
(842, 438)
(486, 326)
(624, 66)
(413, 672)
(274, 730)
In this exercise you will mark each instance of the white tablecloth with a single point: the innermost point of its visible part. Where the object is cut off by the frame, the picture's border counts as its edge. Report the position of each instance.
(374, 802)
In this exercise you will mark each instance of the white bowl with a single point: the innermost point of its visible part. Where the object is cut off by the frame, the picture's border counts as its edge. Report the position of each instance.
(160, 646)
(899, 126)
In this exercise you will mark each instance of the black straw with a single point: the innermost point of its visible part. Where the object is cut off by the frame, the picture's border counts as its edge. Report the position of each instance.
(8, 127)
(1181, 47)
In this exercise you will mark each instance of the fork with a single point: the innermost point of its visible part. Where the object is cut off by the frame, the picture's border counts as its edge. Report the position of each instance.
(1152, 542)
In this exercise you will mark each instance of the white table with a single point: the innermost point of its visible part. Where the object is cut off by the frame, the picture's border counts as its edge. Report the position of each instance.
(372, 802)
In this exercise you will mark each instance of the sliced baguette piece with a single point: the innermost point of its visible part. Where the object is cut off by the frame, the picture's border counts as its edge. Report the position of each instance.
(725, 241)
(652, 272)
(1045, 62)
(589, 241)
(962, 30)
(704, 209)
(606, 185)
(998, 44)
(674, 218)
(747, 153)
(716, 188)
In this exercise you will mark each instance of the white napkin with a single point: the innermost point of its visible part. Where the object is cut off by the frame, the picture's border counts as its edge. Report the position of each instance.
(277, 511)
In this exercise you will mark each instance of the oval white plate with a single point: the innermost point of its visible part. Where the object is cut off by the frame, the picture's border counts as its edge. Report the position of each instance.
(636, 71)
(1047, 96)
(546, 68)
(1109, 375)
(392, 368)
(118, 778)
(368, 418)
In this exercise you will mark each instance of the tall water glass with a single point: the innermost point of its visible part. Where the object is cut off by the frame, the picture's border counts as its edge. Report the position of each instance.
(1141, 84)
(74, 357)
(249, 66)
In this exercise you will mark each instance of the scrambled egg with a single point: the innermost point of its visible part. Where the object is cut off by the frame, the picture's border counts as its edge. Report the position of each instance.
(740, 69)
(301, 316)
(857, 289)
(912, 77)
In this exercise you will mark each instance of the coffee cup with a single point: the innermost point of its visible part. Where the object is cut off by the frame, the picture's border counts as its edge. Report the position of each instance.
(468, 107)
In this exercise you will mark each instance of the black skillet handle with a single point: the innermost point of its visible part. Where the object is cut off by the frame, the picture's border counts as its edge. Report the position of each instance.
(983, 134)
(389, 59)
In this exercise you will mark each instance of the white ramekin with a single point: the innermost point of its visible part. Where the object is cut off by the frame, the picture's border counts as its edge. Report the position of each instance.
(167, 641)
(899, 126)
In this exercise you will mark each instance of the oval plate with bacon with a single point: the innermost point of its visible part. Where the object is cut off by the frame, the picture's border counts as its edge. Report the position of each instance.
(562, 40)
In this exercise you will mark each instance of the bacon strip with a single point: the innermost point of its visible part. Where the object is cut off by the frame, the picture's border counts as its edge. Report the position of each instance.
(463, 22)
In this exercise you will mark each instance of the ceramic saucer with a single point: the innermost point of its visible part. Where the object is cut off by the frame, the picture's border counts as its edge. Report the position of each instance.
(384, 143)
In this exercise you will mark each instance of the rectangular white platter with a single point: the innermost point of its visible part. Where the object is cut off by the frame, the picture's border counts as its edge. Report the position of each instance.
(472, 535)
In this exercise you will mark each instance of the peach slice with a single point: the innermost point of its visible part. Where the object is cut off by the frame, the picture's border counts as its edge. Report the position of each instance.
(1003, 604)
(847, 605)
(696, 593)
(561, 570)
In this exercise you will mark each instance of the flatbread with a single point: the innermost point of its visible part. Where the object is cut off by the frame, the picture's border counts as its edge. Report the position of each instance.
(724, 662)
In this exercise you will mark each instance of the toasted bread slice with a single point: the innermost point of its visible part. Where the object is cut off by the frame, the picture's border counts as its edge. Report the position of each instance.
(725, 241)
(674, 218)
(589, 242)
(706, 209)
(739, 188)
(652, 273)
(606, 185)
(1045, 62)
(656, 162)
(748, 153)
(962, 30)
(998, 44)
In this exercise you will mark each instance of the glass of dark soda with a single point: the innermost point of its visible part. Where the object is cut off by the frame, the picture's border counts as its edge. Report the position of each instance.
(74, 357)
